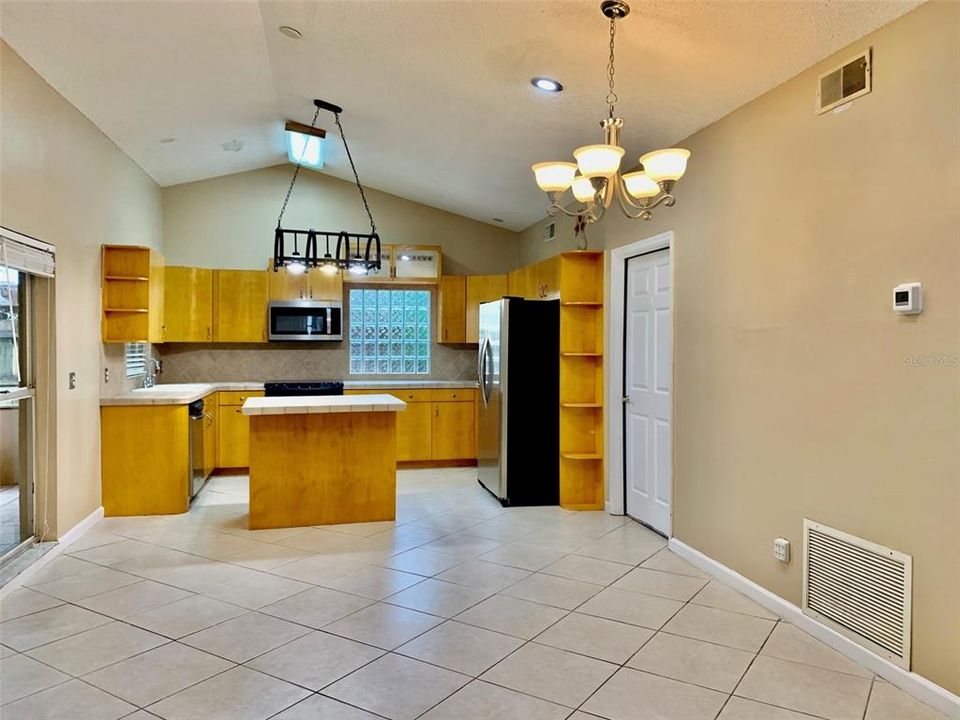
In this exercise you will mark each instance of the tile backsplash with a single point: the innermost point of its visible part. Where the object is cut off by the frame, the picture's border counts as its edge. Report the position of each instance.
(294, 361)
(112, 362)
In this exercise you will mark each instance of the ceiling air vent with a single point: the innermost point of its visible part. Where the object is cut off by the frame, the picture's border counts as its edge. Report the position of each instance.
(858, 588)
(844, 83)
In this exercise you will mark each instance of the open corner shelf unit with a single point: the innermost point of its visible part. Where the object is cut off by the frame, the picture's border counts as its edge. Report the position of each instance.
(132, 294)
(581, 380)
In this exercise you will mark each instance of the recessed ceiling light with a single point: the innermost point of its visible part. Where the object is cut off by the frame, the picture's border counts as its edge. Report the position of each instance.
(232, 146)
(546, 84)
(290, 32)
(499, 220)
(167, 140)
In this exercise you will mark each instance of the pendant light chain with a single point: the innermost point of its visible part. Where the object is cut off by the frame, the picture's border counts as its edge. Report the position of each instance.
(293, 180)
(611, 95)
(363, 195)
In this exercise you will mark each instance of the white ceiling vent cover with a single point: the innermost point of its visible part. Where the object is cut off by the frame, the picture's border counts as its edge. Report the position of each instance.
(860, 589)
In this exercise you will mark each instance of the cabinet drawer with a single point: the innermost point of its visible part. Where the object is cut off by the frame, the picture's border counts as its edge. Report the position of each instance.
(405, 394)
(237, 397)
(453, 395)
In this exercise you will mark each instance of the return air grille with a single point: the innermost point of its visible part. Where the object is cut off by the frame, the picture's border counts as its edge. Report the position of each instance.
(858, 588)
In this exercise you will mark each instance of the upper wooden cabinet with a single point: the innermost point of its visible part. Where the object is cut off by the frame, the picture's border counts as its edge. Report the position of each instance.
(132, 294)
(451, 309)
(458, 314)
(188, 304)
(240, 305)
(311, 285)
(405, 265)
(481, 289)
(540, 281)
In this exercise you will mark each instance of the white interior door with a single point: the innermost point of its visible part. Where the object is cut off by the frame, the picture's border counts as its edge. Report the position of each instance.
(646, 365)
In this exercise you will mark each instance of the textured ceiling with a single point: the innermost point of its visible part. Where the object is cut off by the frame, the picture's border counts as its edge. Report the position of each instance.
(438, 106)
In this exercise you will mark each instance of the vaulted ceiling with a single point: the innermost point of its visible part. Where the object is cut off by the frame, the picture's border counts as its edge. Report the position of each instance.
(437, 102)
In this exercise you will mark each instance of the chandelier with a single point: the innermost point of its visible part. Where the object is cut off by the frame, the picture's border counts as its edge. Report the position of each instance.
(358, 253)
(595, 178)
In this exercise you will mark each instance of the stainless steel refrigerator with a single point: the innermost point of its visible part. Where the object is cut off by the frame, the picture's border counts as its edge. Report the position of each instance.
(518, 366)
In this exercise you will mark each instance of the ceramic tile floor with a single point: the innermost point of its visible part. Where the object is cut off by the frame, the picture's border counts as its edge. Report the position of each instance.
(459, 610)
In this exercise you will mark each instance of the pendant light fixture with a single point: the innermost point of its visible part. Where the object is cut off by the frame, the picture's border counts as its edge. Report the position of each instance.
(358, 253)
(595, 177)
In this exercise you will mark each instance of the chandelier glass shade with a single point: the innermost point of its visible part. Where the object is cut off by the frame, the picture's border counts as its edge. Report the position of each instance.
(595, 178)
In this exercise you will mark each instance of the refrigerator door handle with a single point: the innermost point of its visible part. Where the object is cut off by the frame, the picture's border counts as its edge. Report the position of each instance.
(484, 355)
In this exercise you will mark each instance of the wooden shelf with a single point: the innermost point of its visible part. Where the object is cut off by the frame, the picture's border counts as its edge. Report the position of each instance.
(581, 405)
(125, 310)
(582, 303)
(581, 456)
(581, 354)
(127, 278)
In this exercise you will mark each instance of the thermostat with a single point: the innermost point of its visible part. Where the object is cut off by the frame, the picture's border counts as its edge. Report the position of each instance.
(907, 298)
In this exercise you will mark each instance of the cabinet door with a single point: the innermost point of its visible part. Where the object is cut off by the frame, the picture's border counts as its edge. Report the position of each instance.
(188, 304)
(481, 289)
(454, 431)
(241, 306)
(233, 446)
(414, 432)
(211, 429)
(157, 329)
(321, 286)
(285, 285)
(451, 312)
(417, 263)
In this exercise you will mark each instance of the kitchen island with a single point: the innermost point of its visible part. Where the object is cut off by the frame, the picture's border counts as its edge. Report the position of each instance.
(322, 460)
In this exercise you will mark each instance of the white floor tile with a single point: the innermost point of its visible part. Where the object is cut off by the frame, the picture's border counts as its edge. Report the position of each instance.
(661, 584)
(512, 616)
(74, 699)
(317, 607)
(483, 575)
(384, 626)
(552, 590)
(315, 660)
(96, 648)
(789, 642)
(595, 637)
(744, 632)
(694, 661)
(25, 601)
(438, 598)
(397, 687)
(245, 637)
(632, 694)
(463, 648)
(186, 616)
(130, 600)
(482, 701)
(716, 594)
(21, 676)
(630, 607)
(30, 631)
(319, 707)
(374, 582)
(238, 694)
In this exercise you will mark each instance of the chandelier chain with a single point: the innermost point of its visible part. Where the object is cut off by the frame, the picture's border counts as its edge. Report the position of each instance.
(611, 98)
(293, 180)
(363, 195)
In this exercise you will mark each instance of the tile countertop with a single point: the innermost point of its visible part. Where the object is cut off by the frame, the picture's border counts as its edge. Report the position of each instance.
(184, 393)
(322, 404)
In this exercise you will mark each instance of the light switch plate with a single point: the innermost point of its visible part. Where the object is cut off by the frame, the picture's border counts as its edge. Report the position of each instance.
(781, 550)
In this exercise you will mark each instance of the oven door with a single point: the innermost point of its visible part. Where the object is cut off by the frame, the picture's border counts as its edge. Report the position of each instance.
(297, 320)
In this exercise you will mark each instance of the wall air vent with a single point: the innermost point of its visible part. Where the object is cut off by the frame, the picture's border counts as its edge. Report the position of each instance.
(550, 231)
(858, 588)
(844, 83)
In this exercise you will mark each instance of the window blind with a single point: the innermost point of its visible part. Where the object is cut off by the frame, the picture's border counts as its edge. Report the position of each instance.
(26, 254)
(135, 359)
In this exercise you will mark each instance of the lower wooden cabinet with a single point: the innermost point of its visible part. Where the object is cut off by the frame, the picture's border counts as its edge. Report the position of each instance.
(233, 436)
(413, 432)
(454, 435)
(437, 425)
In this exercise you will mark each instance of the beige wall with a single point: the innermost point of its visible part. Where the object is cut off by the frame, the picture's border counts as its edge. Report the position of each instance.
(794, 390)
(63, 181)
(228, 221)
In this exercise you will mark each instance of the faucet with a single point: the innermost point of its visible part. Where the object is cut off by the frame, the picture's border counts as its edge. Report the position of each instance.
(150, 379)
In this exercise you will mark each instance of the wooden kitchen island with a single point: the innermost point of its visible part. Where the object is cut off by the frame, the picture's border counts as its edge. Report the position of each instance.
(322, 460)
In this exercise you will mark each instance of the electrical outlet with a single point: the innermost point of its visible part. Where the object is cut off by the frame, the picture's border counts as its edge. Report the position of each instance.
(106, 375)
(781, 550)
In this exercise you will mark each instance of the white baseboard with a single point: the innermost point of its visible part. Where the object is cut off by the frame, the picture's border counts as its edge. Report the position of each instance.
(940, 699)
(63, 542)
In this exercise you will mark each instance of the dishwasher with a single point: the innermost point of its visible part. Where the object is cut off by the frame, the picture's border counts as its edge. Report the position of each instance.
(196, 478)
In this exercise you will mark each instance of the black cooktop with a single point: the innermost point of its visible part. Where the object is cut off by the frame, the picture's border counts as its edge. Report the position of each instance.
(302, 388)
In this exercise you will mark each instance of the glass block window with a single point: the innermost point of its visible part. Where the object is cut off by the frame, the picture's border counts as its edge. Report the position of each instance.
(389, 332)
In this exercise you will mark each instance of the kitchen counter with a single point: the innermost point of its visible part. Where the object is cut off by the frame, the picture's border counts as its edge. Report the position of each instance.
(185, 393)
(322, 404)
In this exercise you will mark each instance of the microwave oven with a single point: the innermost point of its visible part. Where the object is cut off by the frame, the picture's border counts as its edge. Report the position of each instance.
(309, 320)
